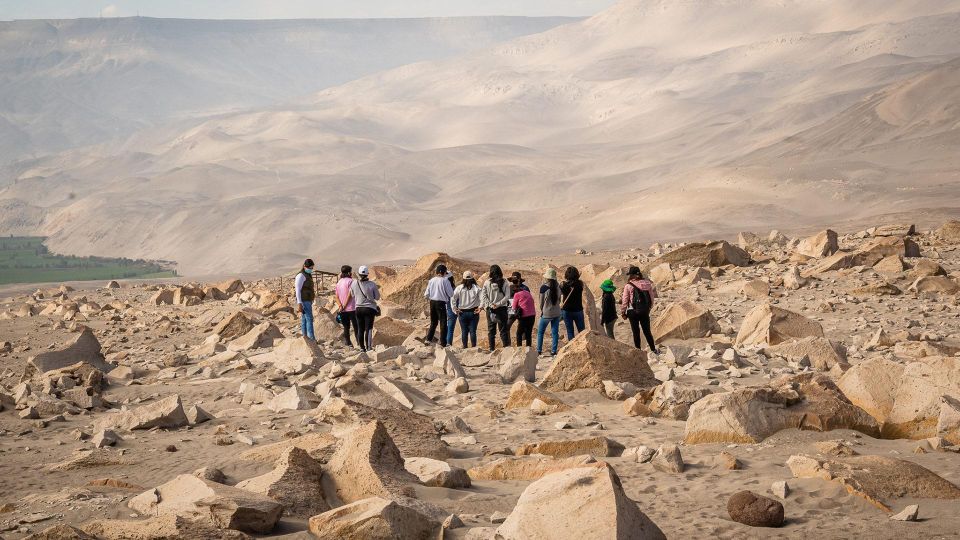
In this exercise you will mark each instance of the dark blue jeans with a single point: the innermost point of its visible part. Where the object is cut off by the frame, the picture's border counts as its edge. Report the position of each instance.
(468, 327)
(306, 320)
(571, 318)
(451, 324)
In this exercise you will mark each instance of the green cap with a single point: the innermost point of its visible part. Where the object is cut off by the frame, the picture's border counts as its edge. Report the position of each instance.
(608, 286)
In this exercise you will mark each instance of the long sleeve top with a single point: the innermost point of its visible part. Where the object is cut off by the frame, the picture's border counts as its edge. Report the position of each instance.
(298, 285)
(366, 293)
(439, 289)
(523, 304)
(626, 298)
(465, 299)
(491, 296)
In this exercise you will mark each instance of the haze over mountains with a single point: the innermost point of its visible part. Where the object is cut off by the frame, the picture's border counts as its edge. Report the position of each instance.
(68, 83)
(654, 120)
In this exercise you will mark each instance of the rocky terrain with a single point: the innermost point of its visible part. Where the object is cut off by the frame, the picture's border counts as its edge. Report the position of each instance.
(805, 386)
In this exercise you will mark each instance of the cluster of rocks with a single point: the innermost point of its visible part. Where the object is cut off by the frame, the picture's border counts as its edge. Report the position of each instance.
(752, 348)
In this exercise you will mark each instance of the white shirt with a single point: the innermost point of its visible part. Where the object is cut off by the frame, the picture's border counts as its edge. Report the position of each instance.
(439, 289)
(465, 299)
(298, 284)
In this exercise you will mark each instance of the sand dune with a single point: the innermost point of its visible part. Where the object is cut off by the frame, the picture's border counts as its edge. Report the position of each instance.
(650, 121)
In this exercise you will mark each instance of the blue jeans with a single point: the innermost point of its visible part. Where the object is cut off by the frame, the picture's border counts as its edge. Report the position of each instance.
(571, 318)
(306, 321)
(451, 324)
(468, 327)
(554, 323)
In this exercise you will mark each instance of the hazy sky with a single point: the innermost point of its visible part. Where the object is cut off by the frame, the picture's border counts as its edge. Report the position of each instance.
(291, 9)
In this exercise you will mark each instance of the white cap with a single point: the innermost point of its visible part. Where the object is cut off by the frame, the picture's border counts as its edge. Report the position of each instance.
(363, 271)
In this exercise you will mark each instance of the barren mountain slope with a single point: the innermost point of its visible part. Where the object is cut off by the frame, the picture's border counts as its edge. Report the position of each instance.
(66, 83)
(648, 121)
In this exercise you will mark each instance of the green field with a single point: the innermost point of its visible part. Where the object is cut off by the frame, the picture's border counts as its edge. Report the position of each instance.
(24, 259)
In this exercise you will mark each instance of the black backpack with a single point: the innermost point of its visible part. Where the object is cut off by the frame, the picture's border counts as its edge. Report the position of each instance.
(641, 301)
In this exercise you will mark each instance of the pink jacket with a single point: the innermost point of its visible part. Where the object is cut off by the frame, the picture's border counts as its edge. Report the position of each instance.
(524, 301)
(627, 296)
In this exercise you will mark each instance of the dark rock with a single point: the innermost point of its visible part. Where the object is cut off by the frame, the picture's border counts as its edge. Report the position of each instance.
(755, 510)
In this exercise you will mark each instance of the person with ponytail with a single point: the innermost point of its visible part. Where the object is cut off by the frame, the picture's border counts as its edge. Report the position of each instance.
(549, 311)
(495, 298)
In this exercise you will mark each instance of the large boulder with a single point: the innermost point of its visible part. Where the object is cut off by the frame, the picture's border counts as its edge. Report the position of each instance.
(877, 479)
(824, 355)
(578, 503)
(517, 363)
(935, 284)
(673, 400)
(904, 399)
(164, 413)
(219, 505)
(375, 518)
(948, 423)
(436, 473)
(391, 332)
(767, 325)
(85, 349)
(711, 254)
(684, 320)
(292, 355)
(260, 336)
(750, 415)
(868, 254)
(592, 358)
(754, 510)
(234, 326)
(188, 295)
(406, 287)
(950, 231)
(296, 481)
(819, 245)
(368, 464)
(415, 434)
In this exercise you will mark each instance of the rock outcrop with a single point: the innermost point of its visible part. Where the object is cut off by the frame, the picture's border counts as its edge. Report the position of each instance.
(904, 399)
(767, 325)
(877, 479)
(684, 320)
(594, 506)
(592, 358)
(296, 481)
(750, 415)
(219, 505)
(368, 464)
(712, 254)
(374, 518)
(85, 349)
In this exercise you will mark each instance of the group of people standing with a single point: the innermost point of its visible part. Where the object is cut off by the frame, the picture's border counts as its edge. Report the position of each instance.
(505, 302)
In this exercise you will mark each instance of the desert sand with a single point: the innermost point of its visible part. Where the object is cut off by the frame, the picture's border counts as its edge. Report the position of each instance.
(802, 395)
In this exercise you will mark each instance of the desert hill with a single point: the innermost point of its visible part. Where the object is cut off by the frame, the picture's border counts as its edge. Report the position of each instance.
(650, 121)
(69, 83)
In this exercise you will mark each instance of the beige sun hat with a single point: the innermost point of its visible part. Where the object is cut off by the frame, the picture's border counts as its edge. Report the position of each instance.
(468, 275)
(550, 273)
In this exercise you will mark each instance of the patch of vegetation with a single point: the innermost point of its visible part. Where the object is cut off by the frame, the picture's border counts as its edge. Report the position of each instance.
(24, 259)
